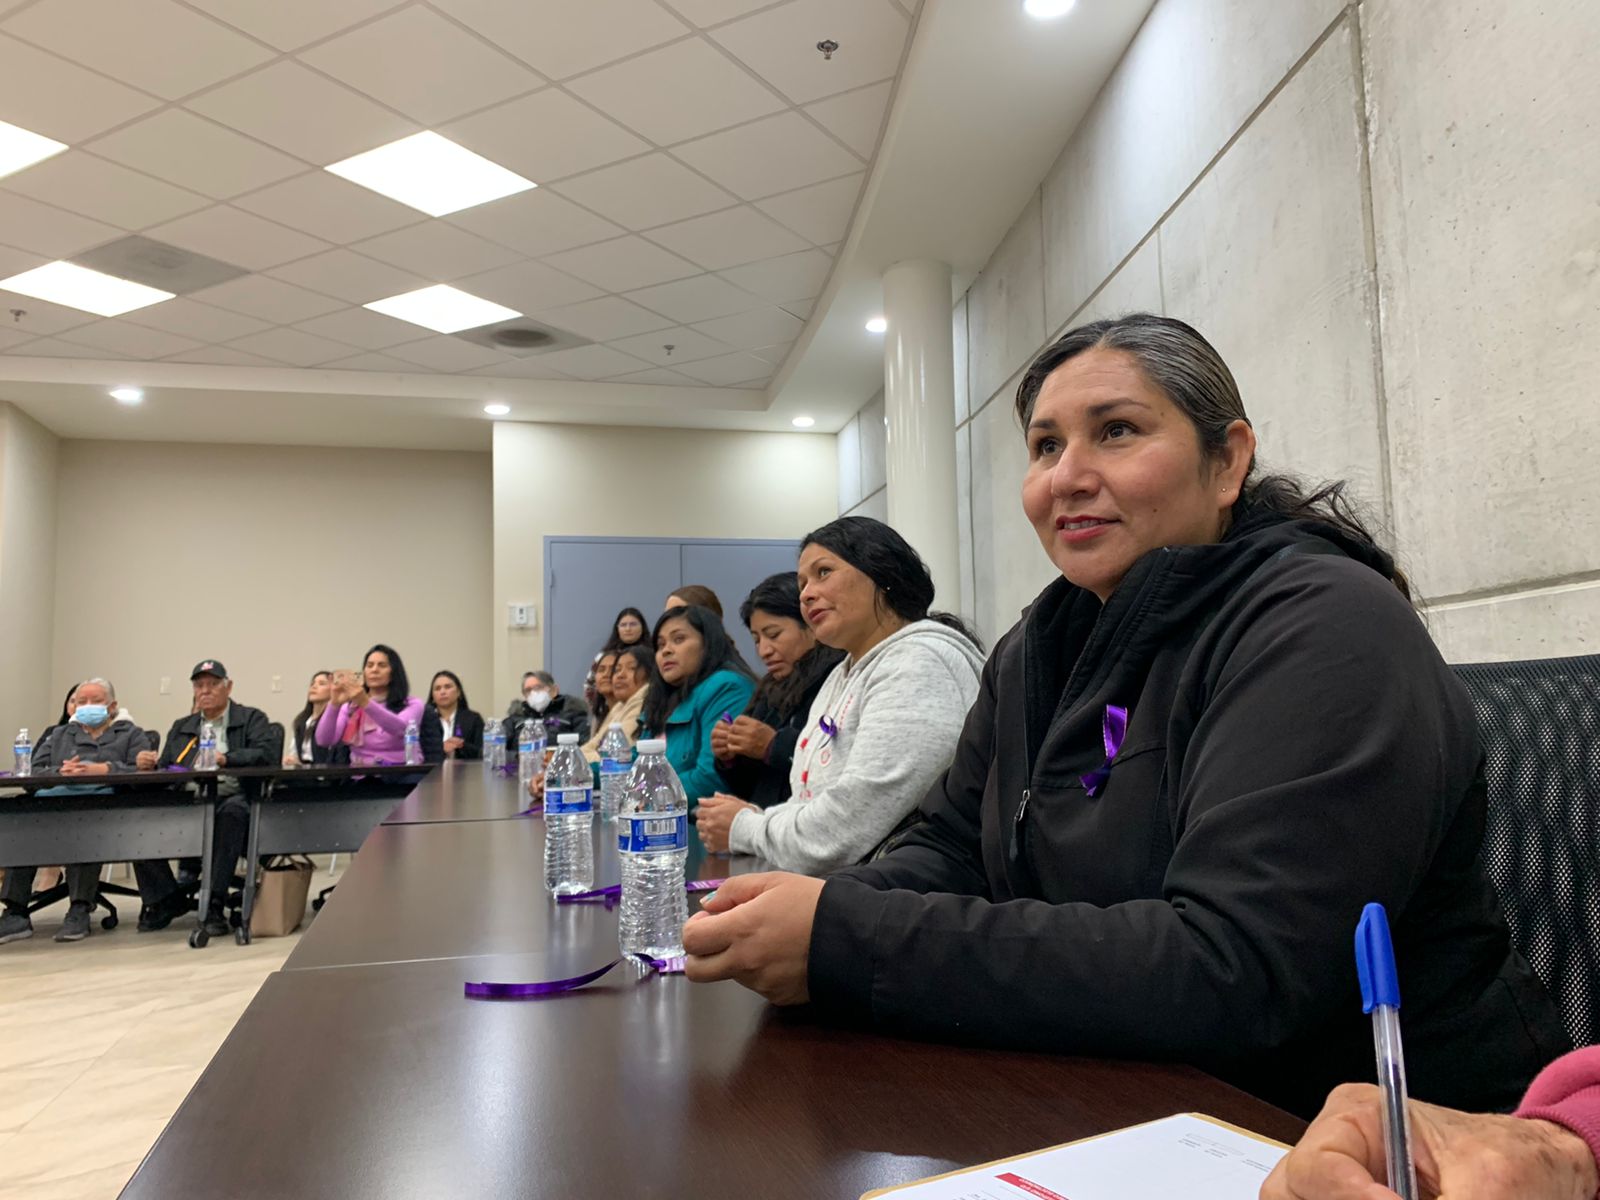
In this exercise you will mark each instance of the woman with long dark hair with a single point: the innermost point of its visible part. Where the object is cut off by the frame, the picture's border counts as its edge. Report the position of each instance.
(371, 718)
(699, 678)
(1210, 742)
(450, 729)
(303, 747)
(629, 629)
(630, 683)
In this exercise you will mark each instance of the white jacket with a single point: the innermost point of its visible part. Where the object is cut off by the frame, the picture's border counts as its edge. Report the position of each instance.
(897, 715)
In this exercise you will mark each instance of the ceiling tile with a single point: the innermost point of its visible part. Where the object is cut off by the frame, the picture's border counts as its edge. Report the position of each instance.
(774, 354)
(293, 346)
(14, 262)
(60, 99)
(748, 330)
(644, 192)
(290, 24)
(704, 13)
(53, 348)
(592, 362)
(622, 264)
(269, 299)
(821, 212)
(436, 251)
(658, 377)
(427, 67)
(195, 153)
(223, 356)
(697, 299)
(855, 118)
(295, 109)
(9, 338)
(687, 346)
(156, 45)
(29, 225)
(103, 190)
(528, 287)
(800, 308)
(777, 154)
(349, 276)
(679, 91)
(545, 136)
(118, 339)
(560, 38)
(780, 45)
(521, 368)
(728, 238)
(727, 370)
(444, 353)
(190, 319)
(329, 207)
(236, 237)
(363, 327)
(792, 277)
(39, 318)
(604, 319)
(536, 223)
(376, 362)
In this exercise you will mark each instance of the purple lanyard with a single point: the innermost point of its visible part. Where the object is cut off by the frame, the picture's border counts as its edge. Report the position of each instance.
(1113, 728)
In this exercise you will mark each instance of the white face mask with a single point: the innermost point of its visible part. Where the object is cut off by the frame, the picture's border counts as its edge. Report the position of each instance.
(538, 699)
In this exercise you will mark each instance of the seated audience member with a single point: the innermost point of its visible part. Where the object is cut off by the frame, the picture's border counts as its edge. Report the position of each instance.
(629, 683)
(699, 677)
(371, 719)
(450, 729)
(694, 593)
(301, 747)
(543, 700)
(92, 744)
(67, 705)
(1547, 1151)
(1200, 752)
(886, 721)
(604, 663)
(244, 739)
(755, 752)
(627, 630)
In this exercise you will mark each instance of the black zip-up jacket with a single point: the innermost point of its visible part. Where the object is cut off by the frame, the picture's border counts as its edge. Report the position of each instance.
(251, 742)
(1296, 748)
(468, 727)
(765, 782)
(566, 714)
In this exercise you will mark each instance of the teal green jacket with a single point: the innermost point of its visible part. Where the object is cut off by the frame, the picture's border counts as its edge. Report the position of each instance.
(689, 730)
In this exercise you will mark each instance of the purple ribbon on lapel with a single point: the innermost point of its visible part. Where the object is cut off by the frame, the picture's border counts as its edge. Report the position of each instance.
(829, 726)
(554, 987)
(1113, 728)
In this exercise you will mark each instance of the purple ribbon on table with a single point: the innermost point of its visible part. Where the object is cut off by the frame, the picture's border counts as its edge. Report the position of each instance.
(533, 810)
(615, 890)
(1113, 728)
(553, 987)
(175, 767)
(506, 769)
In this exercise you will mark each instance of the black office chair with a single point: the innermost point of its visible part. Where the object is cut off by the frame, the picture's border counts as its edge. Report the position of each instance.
(1540, 725)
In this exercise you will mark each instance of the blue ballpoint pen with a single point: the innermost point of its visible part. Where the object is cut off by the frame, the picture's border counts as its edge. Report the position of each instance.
(1380, 996)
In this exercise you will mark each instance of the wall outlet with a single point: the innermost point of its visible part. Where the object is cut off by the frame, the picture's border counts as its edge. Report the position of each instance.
(166, 685)
(523, 616)
(277, 683)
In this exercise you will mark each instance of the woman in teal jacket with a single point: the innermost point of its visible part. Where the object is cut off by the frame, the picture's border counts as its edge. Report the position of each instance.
(699, 677)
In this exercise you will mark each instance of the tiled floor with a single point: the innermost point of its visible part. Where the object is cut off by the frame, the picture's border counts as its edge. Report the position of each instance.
(100, 1040)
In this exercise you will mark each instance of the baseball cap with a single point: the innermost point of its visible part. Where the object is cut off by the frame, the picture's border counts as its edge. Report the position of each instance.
(209, 667)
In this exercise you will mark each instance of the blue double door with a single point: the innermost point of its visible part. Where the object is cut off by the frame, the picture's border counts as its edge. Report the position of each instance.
(589, 580)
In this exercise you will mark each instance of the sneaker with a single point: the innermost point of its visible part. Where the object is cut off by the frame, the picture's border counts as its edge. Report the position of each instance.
(14, 927)
(75, 926)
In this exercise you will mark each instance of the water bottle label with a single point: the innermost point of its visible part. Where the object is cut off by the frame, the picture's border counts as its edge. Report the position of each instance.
(568, 800)
(647, 833)
(613, 766)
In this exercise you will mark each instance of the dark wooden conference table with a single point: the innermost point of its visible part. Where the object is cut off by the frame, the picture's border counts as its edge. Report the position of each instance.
(361, 1070)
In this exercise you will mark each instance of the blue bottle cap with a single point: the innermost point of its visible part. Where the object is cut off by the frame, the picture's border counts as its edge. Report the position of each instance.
(1380, 982)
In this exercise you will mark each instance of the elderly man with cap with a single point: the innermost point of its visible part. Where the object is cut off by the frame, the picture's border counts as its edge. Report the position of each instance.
(244, 739)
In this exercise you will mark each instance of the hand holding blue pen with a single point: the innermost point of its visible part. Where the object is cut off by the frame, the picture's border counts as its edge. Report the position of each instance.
(1380, 996)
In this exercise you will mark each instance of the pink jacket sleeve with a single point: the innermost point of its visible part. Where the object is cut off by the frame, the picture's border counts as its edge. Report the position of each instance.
(1567, 1092)
(394, 723)
(331, 725)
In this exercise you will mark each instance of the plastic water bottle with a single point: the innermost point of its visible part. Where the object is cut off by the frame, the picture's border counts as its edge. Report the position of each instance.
(206, 760)
(568, 820)
(413, 745)
(494, 745)
(616, 756)
(653, 843)
(22, 759)
(530, 751)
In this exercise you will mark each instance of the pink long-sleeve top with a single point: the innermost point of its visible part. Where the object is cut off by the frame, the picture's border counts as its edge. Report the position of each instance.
(1568, 1093)
(380, 736)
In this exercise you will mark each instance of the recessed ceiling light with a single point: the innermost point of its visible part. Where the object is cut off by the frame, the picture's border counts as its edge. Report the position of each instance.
(497, 410)
(803, 422)
(127, 395)
(442, 308)
(1047, 10)
(431, 173)
(878, 325)
(21, 148)
(78, 287)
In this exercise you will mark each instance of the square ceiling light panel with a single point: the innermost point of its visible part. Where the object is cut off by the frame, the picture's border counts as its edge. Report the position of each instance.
(80, 288)
(442, 308)
(431, 173)
(20, 148)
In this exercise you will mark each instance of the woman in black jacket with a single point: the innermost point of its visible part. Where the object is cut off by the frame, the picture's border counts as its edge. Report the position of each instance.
(450, 729)
(1199, 754)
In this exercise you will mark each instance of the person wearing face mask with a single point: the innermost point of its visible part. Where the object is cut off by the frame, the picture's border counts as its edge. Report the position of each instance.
(543, 700)
(92, 744)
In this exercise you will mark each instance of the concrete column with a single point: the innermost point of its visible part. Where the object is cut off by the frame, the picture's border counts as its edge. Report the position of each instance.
(919, 406)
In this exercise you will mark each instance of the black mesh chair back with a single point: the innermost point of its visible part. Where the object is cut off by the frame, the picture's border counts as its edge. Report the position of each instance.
(1540, 725)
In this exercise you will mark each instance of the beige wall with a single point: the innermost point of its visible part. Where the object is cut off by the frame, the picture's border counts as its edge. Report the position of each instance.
(661, 483)
(28, 454)
(279, 560)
